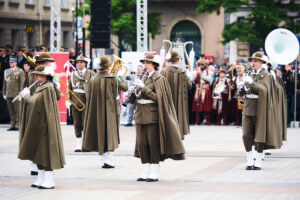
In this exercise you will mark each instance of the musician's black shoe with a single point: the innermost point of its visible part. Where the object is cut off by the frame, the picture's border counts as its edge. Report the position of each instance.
(256, 168)
(248, 167)
(33, 185)
(11, 129)
(34, 173)
(141, 179)
(106, 166)
(77, 150)
(151, 180)
(129, 124)
(16, 129)
(42, 187)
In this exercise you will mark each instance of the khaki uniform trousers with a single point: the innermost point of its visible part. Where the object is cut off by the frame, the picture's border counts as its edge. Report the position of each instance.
(78, 117)
(14, 112)
(249, 123)
(148, 142)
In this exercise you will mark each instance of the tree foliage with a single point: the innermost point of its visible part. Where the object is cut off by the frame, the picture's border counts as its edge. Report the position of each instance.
(265, 15)
(123, 19)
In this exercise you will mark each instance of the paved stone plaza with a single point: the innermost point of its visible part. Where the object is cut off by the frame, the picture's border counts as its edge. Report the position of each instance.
(213, 169)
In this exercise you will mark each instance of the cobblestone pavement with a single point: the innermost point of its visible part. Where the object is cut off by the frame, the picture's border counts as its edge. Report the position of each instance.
(213, 169)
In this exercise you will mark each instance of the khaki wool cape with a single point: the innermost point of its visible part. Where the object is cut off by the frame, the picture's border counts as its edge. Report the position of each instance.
(179, 86)
(280, 110)
(26, 108)
(101, 129)
(42, 141)
(270, 113)
(171, 145)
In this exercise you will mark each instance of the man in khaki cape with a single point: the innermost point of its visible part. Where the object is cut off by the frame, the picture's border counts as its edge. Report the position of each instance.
(42, 141)
(78, 83)
(259, 113)
(101, 127)
(157, 132)
(42, 59)
(179, 84)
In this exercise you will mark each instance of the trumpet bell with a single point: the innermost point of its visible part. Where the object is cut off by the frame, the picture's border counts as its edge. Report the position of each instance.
(282, 46)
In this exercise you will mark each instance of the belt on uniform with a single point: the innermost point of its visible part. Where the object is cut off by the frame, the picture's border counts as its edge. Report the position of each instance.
(252, 96)
(144, 101)
(79, 91)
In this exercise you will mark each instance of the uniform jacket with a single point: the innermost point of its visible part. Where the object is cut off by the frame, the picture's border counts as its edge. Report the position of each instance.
(13, 82)
(179, 85)
(77, 81)
(101, 131)
(42, 142)
(146, 113)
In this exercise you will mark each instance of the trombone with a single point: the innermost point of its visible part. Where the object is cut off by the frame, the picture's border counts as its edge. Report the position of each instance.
(69, 90)
(32, 62)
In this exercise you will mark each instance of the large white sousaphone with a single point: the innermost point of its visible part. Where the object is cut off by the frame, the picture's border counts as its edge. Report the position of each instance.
(282, 46)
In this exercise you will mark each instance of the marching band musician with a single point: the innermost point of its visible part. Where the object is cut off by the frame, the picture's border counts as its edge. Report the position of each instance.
(157, 132)
(78, 83)
(42, 59)
(203, 98)
(42, 141)
(259, 113)
(221, 97)
(180, 83)
(237, 106)
(101, 129)
(12, 85)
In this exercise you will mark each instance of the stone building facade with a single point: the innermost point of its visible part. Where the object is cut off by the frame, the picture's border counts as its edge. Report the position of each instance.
(27, 23)
(180, 16)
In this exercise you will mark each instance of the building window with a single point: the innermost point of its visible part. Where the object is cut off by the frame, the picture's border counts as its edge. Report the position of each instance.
(189, 31)
(47, 3)
(64, 4)
(2, 37)
(14, 2)
(29, 2)
(15, 37)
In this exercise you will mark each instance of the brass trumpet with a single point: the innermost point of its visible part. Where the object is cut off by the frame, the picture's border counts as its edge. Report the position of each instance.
(117, 65)
(29, 59)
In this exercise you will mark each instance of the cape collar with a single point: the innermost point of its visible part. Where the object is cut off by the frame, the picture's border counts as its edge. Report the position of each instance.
(153, 77)
(104, 74)
(44, 85)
